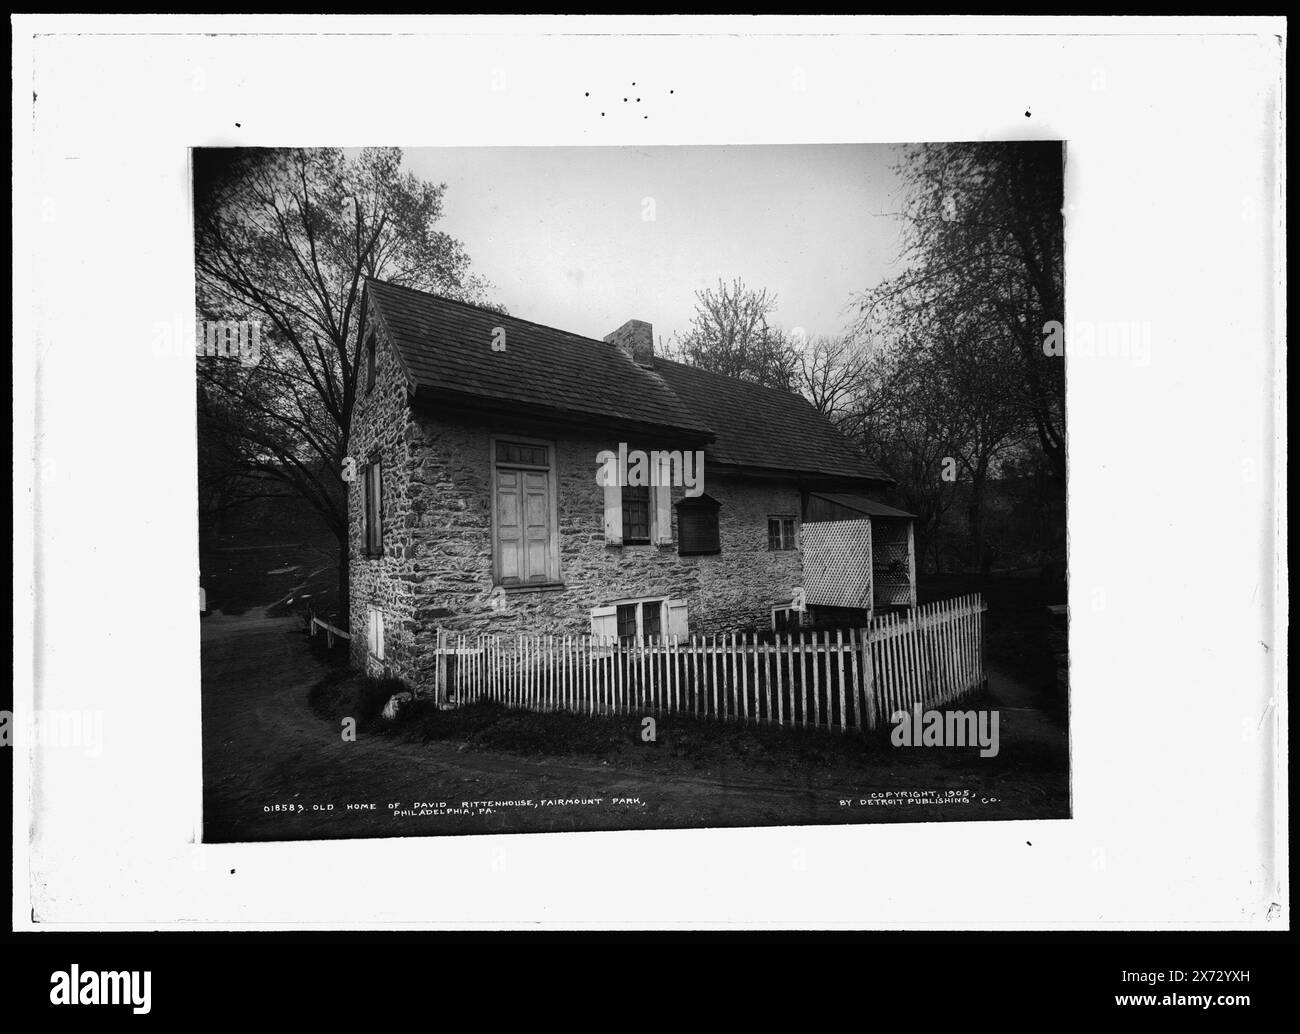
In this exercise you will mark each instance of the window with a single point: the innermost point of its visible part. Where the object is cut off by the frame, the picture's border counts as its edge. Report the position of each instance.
(370, 363)
(786, 619)
(781, 533)
(526, 455)
(697, 526)
(640, 620)
(627, 620)
(524, 518)
(373, 502)
(633, 620)
(652, 621)
(636, 515)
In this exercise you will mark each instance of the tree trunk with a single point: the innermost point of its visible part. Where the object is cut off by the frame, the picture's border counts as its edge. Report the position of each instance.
(975, 518)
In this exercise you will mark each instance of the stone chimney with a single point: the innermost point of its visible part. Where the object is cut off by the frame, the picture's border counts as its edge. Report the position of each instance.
(636, 339)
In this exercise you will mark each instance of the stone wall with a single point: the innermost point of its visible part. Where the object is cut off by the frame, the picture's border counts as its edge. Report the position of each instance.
(437, 565)
(379, 424)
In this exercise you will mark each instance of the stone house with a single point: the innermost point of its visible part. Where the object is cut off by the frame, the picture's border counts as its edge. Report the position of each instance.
(479, 440)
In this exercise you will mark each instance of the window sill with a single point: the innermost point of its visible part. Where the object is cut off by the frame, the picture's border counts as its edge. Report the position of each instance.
(512, 590)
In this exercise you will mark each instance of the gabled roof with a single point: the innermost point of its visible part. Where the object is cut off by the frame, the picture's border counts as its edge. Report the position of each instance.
(446, 349)
(445, 346)
(761, 427)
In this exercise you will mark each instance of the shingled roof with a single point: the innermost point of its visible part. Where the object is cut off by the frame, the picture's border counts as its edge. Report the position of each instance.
(445, 348)
(756, 426)
(863, 505)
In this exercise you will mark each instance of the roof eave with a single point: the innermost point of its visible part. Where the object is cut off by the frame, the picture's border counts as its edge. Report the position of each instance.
(823, 479)
(472, 405)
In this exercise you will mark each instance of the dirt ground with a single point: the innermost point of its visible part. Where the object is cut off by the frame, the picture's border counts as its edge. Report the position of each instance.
(275, 769)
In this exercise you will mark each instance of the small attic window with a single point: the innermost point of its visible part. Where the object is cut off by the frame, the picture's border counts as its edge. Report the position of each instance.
(370, 363)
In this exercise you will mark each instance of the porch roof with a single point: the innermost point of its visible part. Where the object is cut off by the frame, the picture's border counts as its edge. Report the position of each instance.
(865, 506)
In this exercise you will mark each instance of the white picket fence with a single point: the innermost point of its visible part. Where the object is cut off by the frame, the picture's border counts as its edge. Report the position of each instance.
(844, 679)
(931, 655)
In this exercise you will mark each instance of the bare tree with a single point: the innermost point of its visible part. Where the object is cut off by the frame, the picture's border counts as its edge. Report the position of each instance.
(937, 407)
(974, 370)
(731, 334)
(287, 238)
(900, 419)
(830, 373)
(984, 232)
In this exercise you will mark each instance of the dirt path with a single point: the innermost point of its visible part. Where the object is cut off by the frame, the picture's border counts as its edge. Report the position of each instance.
(276, 770)
(1019, 716)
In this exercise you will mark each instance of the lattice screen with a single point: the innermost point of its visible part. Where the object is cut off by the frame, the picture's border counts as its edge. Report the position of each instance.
(837, 563)
(891, 562)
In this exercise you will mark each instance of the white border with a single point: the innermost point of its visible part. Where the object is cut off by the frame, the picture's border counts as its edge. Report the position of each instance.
(1180, 807)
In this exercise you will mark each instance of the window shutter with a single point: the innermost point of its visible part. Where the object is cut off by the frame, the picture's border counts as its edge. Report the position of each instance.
(379, 507)
(604, 622)
(697, 526)
(365, 508)
(613, 516)
(663, 501)
(677, 624)
(510, 556)
(374, 509)
(536, 502)
(376, 633)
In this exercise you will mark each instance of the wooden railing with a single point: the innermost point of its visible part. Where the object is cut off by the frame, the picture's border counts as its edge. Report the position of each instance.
(844, 679)
(315, 624)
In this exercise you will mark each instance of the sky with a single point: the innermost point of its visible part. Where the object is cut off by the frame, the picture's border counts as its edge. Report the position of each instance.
(587, 238)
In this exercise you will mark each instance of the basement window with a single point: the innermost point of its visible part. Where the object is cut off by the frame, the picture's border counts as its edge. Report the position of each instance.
(641, 621)
(634, 621)
(786, 619)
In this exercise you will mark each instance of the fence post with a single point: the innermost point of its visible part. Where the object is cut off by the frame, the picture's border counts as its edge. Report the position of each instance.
(868, 688)
(984, 672)
(440, 672)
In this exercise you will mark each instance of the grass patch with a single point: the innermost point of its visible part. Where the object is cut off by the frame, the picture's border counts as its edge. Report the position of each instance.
(682, 742)
(701, 743)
